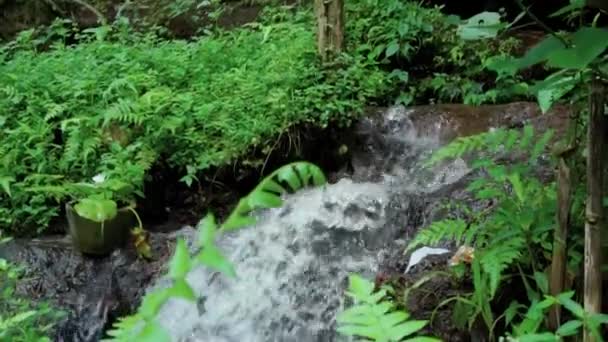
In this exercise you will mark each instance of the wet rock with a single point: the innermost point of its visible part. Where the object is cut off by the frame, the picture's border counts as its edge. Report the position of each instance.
(389, 139)
(93, 291)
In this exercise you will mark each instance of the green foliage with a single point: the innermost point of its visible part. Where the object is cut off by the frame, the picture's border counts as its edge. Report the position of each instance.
(513, 234)
(527, 325)
(120, 102)
(21, 320)
(376, 319)
(494, 141)
(574, 56)
(422, 49)
(142, 325)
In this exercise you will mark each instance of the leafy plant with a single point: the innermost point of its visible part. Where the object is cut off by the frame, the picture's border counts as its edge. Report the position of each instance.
(212, 102)
(513, 233)
(376, 319)
(529, 328)
(424, 53)
(142, 325)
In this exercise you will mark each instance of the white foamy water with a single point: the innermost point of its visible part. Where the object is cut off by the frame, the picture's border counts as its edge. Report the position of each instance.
(293, 264)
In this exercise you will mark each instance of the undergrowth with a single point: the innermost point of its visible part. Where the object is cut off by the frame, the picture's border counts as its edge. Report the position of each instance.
(116, 104)
(120, 101)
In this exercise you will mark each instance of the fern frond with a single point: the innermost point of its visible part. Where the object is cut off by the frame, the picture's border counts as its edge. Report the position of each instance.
(54, 111)
(89, 147)
(439, 231)
(146, 158)
(498, 257)
(11, 93)
(289, 178)
(494, 141)
(374, 318)
(124, 111)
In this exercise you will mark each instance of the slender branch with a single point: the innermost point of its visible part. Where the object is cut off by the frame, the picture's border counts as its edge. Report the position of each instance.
(122, 8)
(541, 23)
(100, 17)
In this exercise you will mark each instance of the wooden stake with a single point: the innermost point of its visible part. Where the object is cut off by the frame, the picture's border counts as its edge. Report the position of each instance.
(594, 213)
(330, 27)
(564, 203)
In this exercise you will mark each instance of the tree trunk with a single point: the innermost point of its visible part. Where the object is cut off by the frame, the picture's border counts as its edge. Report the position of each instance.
(594, 213)
(330, 27)
(564, 203)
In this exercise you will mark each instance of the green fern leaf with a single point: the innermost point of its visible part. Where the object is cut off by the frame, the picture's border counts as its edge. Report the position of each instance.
(372, 318)
(267, 194)
(438, 231)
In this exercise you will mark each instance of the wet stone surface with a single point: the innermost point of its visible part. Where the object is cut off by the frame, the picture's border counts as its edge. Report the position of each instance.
(92, 290)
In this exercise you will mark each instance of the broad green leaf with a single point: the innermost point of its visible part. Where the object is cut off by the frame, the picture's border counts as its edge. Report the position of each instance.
(511, 311)
(180, 264)
(291, 177)
(589, 43)
(182, 289)
(262, 199)
(423, 339)
(152, 302)
(392, 48)
(599, 318)
(96, 209)
(405, 329)
(272, 186)
(573, 6)
(569, 328)
(479, 26)
(153, 332)
(364, 331)
(394, 318)
(553, 88)
(20, 317)
(540, 52)
(212, 257)
(207, 229)
(5, 183)
(238, 221)
(572, 306)
(541, 281)
(360, 286)
(403, 29)
(542, 337)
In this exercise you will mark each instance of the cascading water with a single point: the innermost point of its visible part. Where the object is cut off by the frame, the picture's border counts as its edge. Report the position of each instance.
(293, 265)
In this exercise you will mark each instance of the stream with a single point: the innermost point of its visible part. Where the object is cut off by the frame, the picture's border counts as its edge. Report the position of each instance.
(292, 266)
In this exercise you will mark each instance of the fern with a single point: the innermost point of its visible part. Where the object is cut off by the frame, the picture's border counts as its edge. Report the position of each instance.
(493, 141)
(374, 318)
(497, 258)
(507, 235)
(123, 111)
(438, 231)
(141, 325)
(291, 177)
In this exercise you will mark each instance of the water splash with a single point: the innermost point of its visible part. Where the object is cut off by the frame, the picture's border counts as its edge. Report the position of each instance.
(293, 265)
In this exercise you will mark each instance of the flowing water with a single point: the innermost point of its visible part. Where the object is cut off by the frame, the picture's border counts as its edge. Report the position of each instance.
(293, 264)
